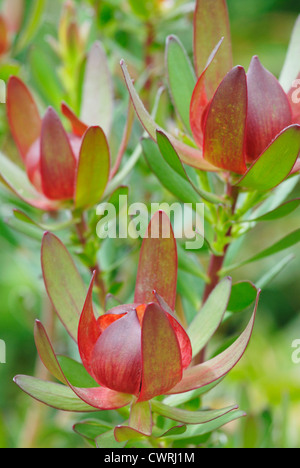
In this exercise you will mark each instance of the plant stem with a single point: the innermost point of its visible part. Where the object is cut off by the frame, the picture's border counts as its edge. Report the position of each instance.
(216, 264)
(81, 229)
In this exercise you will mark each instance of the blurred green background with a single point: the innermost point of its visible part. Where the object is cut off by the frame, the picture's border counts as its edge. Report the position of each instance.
(266, 384)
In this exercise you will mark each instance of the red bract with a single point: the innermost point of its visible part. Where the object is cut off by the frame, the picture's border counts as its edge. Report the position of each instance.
(54, 160)
(246, 114)
(141, 348)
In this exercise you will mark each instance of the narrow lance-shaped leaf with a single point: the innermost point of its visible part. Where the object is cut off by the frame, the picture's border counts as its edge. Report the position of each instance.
(273, 272)
(52, 394)
(200, 99)
(78, 127)
(45, 76)
(243, 294)
(210, 316)
(224, 134)
(16, 180)
(23, 115)
(171, 180)
(188, 154)
(58, 163)
(189, 417)
(181, 78)
(170, 155)
(93, 168)
(280, 212)
(210, 371)
(32, 24)
(98, 397)
(201, 429)
(275, 164)
(91, 428)
(211, 22)
(285, 243)
(63, 283)
(158, 263)
(97, 100)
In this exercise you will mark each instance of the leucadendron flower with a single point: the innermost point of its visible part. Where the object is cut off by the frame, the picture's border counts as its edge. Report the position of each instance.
(136, 352)
(64, 169)
(53, 158)
(244, 124)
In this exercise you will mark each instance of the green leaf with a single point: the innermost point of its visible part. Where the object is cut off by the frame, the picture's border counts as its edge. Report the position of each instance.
(210, 316)
(107, 440)
(34, 19)
(93, 168)
(181, 398)
(44, 227)
(275, 164)
(188, 154)
(279, 212)
(242, 296)
(291, 66)
(141, 9)
(211, 23)
(201, 429)
(98, 99)
(125, 433)
(273, 272)
(63, 283)
(16, 180)
(174, 431)
(170, 179)
(52, 394)
(285, 243)
(44, 74)
(141, 417)
(204, 374)
(76, 373)
(171, 157)
(91, 428)
(189, 417)
(190, 264)
(181, 77)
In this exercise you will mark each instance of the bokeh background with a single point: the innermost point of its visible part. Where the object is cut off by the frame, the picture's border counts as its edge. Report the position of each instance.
(266, 383)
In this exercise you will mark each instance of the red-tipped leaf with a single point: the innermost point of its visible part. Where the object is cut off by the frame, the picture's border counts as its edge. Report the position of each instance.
(101, 398)
(78, 127)
(204, 374)
(23, 115)
(211, 23)
(158, 263)
(200, 99)
(93, 168)
(63, 283)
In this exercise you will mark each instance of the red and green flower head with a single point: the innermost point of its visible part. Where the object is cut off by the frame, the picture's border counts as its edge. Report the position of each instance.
(242, 123)
(140, 348)
(132, 353)
(54, 160)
